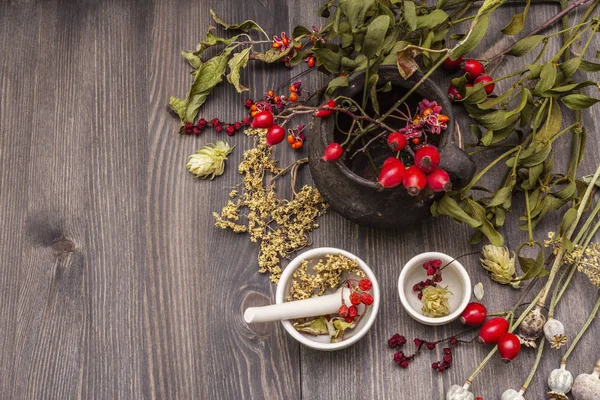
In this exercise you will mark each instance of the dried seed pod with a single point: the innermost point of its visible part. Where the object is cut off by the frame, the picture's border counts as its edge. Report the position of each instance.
(587, 386)
(512, 394)
(459, 393)
(560, 382)
(531, 328)
(554, 330)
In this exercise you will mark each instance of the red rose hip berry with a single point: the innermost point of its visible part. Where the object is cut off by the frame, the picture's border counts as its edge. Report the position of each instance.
(275, 135)
(391, 173)
(439, 180)
(452, 65)
(485, 79)
(493, 330)
(473, 69)
(474, 314)
(427, 158)
(396, 141)
(262, 120)
(509, 347)
(453, 93)
(414, 180)
(333, 151)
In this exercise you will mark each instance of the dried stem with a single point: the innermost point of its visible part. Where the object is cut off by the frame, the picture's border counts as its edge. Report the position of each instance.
(581, 332)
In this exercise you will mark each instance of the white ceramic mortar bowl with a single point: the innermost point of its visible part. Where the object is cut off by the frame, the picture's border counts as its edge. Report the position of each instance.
(352, 335)
(454, 276)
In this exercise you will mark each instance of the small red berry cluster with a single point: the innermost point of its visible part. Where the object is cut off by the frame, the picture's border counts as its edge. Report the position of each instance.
(474, 72)
(358, 296)
(403, 360)
(434, 270)
(230, 128)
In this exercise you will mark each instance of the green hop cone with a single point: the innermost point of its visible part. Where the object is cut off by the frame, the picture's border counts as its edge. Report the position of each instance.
(497, 261)
(209, 161)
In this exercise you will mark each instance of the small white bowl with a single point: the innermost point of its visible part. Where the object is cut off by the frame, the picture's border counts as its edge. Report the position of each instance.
(454, 276)
(322, 342)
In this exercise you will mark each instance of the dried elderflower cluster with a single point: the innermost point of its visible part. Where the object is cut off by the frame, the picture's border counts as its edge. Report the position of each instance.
(327, 275)
(281, 226)
(589, 263)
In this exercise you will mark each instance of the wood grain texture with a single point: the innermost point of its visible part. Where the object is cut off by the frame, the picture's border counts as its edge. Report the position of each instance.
(114, 282)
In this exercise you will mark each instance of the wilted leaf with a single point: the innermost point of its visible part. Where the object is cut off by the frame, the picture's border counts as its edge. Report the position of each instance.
(192, 58)
(578, 101)
(329, 59)
(410, 15)
(243, 26)
(300, 30)
(471, 42)
(406, 62)
(372, 87)
(517, 22)
(376, 31)
(448, 206)
(567, 221)
(547, 79)
(314, 327)
(340, 81)
(273, 55)
(486, 227)
(209, 75)
(355, 10)
(588, 66)
(525, 45)
(569, 67)
(501, 196)
(431, 20)
(178, 106)
(236, 63)
(193, 105)
(553, 123)
(531, 267)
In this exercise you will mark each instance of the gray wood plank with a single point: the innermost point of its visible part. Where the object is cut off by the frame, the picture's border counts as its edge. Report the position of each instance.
(116, 284)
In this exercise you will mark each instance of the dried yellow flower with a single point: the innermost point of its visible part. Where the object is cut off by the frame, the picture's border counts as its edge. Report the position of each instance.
(209, 161)
(497, 261)
(435, 301)
(280, 226)
(327, 274)
(589, 263)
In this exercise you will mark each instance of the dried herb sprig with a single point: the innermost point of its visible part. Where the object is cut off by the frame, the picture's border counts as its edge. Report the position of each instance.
(280, 226)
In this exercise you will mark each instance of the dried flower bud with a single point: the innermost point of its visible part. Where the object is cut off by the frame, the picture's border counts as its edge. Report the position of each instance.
(209, 161)
(459, 393)
(435, 301)
(497, 261)
(512, 394)
(531, 328)
(555, 333)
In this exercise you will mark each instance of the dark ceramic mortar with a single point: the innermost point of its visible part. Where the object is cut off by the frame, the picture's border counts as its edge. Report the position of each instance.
(358, 198)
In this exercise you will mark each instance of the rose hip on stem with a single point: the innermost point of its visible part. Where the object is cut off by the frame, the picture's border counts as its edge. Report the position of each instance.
(414, 180)
(427, 158)
(493, 330)
(486, 79)
(333, 151)
(439, 180)
(391, 174)
(396, 141)
(473, 69)
(474, 314)
(262, 120)
(452, 65)
(275, 135)
(509, 347)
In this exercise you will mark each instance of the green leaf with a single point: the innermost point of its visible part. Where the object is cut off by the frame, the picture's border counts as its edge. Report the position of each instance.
(496, 120)
(392, 58)
(300, 30)
(525, 97)
(553, 123)
(578, 101)
(328, 59)
(486, 9)
(448, 206)
(571, 66)
(192, 58)
(572, 86)
(501, 196)
(588, 66)
(492, 102)
(517, 22)
(531, 267)
(340, 81)
(372, 87)
(178, 105)
(478, 211)
(525, 45)
(431, 20)
(567, 221)
(243, 26)
(356, 10)
(410, 15)
(472, 41)
(209, 75)
(375, 35)
(567, 192)
(314, 327)
(547, 79)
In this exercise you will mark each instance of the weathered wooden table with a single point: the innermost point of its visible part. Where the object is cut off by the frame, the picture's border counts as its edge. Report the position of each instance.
(114, 282)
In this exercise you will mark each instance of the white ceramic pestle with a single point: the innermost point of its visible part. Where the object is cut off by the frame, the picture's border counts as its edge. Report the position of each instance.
(322, 305)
